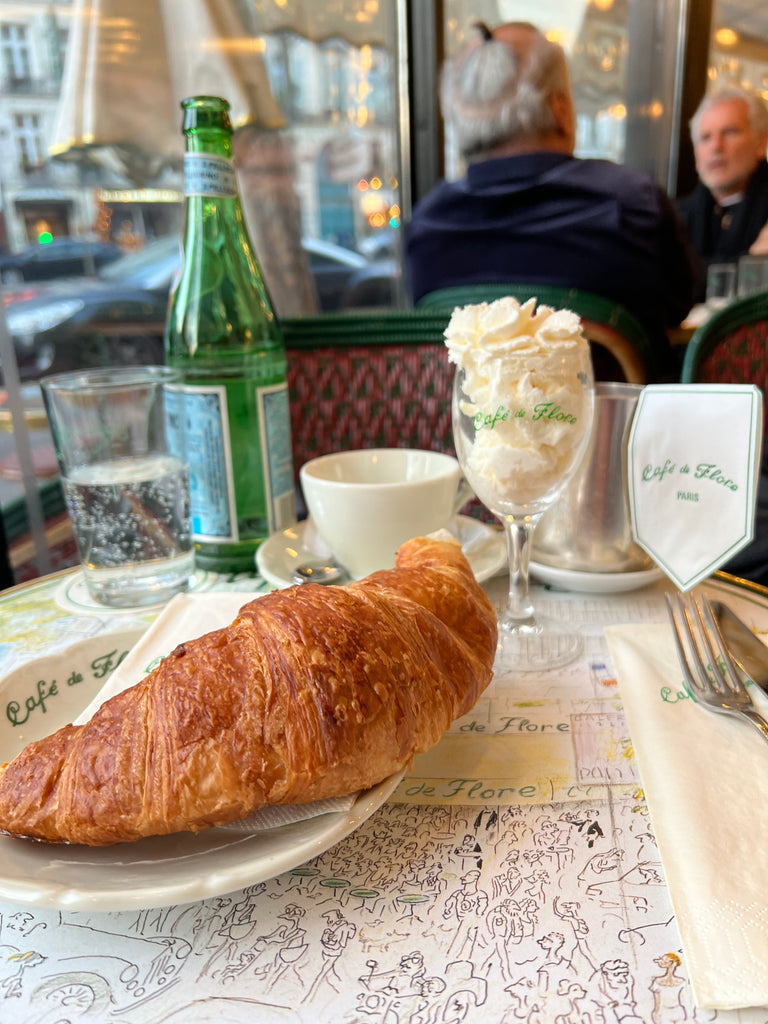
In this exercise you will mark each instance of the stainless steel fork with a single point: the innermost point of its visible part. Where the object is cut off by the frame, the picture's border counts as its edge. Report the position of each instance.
(711, 677)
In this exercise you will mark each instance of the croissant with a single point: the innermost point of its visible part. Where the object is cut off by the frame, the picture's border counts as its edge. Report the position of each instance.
(311, 692)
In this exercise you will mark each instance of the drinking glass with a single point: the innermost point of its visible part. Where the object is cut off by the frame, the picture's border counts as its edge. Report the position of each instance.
(520, 435)
(752, 275)
(721, 284)
(126, 492)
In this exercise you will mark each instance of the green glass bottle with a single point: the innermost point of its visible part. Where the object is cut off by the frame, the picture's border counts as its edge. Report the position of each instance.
(231, 414)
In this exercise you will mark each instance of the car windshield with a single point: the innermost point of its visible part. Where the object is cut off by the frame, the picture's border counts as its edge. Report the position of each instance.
(151, 267)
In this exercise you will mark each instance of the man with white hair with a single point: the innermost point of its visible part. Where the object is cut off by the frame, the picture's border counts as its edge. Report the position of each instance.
(727, 213)
(528, 211)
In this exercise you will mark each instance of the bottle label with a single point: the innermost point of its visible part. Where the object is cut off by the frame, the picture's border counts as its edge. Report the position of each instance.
(200, 416)
(199, 425)
(277, 455)
(209, 175)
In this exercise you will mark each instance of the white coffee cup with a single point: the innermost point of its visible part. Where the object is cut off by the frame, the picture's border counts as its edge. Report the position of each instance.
(365, 503)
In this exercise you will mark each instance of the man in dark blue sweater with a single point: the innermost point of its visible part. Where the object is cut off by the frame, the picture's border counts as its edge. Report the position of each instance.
(528, 211)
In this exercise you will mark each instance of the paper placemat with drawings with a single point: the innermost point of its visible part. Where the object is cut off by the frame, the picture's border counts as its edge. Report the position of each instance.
(512, 876)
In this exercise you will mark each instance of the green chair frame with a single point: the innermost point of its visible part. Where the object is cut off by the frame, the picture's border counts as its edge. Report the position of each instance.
(58, 530)
(379, 378)
(732, 346)
(621, 347)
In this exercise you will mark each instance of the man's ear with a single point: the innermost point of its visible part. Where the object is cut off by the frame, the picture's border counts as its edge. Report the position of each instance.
(565, 115)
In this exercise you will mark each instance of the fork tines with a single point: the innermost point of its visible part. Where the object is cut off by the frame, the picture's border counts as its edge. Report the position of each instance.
(700, 644)
(711, 677)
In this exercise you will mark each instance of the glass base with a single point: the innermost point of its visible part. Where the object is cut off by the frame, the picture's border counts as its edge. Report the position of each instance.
(139, 584)
(535, 647)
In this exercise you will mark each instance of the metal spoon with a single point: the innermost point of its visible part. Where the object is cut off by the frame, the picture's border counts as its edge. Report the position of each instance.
(307, 573)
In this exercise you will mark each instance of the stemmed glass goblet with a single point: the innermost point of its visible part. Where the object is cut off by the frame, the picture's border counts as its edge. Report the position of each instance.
(520, 432)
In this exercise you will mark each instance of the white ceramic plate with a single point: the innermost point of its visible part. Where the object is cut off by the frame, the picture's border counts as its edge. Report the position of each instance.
(279, 555)
(594, 582)
(154, 872)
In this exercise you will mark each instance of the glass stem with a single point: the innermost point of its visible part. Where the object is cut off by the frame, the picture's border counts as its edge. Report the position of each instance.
(519, 610)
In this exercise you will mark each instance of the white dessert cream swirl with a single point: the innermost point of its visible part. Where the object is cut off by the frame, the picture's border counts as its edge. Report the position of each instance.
(524, 390)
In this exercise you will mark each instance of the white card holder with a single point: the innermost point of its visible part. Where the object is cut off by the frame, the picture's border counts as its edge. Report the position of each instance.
(694, 461)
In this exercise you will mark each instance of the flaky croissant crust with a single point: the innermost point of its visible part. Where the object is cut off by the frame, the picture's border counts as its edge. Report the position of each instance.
(311, 692)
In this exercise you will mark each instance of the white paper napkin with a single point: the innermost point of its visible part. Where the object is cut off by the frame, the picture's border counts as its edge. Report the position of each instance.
(705, 778)
(186, 617)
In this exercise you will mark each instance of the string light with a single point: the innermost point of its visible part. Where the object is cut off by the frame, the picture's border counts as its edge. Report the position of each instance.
(726, 37)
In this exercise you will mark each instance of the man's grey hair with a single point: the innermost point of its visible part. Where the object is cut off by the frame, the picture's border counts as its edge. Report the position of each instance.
(756, 108)
(491, 96)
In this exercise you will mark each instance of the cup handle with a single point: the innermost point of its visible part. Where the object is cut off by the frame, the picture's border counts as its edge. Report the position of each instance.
(463, 495)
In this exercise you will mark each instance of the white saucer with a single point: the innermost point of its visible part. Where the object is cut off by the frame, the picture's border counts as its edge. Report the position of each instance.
(594, 582)
(279, 555)
(72, 594)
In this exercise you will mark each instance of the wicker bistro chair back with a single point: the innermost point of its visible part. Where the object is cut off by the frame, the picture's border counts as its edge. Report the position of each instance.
(621, 349)
(58, 533)
(355, 381)
(732, 346)
(374, 380)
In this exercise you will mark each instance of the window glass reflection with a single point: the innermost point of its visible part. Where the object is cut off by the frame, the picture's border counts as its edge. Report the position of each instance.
(96, 150)
(91, 188)
(738, 52)
(623, 70)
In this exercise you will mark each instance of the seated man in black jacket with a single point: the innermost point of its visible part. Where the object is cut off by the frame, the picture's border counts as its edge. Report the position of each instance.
(727, 213)
(528, 210)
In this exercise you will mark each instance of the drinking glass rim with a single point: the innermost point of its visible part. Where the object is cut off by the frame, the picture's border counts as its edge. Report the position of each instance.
(104, 377)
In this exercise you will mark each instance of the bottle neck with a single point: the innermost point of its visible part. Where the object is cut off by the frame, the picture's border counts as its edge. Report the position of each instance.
(208, 168)
(209, 176)
(213, 141)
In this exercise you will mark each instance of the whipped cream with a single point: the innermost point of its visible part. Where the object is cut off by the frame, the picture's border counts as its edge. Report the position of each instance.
(528, 394)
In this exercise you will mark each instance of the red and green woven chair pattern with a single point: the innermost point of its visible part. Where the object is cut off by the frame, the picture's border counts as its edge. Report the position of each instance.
(732, 346)
(379, 380)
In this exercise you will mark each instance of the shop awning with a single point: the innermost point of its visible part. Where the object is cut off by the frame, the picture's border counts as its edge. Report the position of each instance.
(357, 22)
(131, 62)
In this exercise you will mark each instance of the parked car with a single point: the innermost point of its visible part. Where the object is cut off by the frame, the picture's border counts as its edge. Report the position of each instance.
(382, 243)
(113, 318)
(346, 280)
(118, 317)
(332, 267)
(58, 258)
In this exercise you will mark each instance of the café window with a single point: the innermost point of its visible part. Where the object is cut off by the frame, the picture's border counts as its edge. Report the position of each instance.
(302, 78)
(29, 141)
(334, 58)
(739, 48)
(15, 53)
